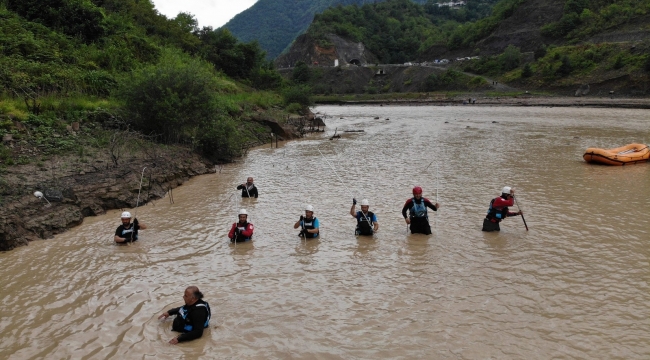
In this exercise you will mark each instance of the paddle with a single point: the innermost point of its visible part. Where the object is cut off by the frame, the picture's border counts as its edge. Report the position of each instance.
(520, 213)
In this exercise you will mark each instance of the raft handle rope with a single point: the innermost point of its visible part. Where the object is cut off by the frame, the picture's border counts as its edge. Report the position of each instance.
(137, 203)
(520, 213)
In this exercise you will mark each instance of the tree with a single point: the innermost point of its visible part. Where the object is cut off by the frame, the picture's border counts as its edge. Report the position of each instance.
(173, 99)
(527, 71)
(540, 52)
(566, 67)
(301, 73)
(511, 58)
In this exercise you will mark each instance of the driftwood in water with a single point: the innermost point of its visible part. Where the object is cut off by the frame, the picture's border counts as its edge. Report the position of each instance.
(335, 136)
(353, 130)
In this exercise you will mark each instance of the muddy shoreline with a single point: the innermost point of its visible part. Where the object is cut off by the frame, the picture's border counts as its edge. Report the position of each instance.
(525, 100)
(75, 190)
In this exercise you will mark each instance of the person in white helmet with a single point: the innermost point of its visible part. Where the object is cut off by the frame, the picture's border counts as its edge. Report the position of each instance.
(498, 209)
(128, 232)
(242, 230)
(308, 224)
(366, 220)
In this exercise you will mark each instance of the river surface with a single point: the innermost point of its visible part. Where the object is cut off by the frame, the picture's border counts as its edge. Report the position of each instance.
(573, 287)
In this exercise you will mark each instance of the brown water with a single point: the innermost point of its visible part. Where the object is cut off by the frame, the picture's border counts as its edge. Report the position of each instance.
(574, 286)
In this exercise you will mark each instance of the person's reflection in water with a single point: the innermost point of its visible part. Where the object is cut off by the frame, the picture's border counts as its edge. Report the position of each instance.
(365, 244)
(308, 247)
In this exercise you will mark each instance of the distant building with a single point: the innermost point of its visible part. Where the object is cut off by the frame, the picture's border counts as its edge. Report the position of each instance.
(453, 4)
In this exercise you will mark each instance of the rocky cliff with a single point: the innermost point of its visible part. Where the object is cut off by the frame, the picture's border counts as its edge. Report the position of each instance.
(306, 49)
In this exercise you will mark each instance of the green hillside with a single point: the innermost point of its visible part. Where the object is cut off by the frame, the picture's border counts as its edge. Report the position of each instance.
(122, 64)
(556, 45)
(401, 30)
(276, 23)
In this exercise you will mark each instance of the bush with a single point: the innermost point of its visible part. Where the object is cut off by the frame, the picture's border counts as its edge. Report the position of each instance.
(527, 71)
(511, 58)
(565, 68)
(178, 100)
(300, 94)
(618, 64)
(301, 73)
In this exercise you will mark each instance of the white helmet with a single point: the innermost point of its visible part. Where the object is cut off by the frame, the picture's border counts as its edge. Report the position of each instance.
(309, 208)
(38, 194)
(125, 215)
(364, 202)
(506, 190)
(243, 212)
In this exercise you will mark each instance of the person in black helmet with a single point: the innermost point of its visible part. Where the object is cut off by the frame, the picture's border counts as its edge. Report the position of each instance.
(191, 318)
(498, 210)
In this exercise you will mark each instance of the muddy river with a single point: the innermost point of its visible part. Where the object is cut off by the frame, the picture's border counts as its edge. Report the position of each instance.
(573, 287)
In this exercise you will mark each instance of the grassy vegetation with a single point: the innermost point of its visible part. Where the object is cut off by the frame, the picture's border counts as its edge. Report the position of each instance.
(123, 66)
(568, 65)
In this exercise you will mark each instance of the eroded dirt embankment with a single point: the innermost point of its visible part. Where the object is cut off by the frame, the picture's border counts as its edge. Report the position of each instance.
(77, 190)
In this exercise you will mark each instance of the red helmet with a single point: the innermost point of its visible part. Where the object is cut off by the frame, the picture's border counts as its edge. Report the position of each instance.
(417, 190)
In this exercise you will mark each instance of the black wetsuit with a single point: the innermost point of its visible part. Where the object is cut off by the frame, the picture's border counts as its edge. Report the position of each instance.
(248, 191)
(129, 234)
(418, 215)
(191, 320)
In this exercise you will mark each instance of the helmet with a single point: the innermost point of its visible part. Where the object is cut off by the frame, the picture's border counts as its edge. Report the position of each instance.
(125, 215)
(417, 190)
(309, 208)
(364, 202)
(38, 194)
(243, 212)
(506, 190)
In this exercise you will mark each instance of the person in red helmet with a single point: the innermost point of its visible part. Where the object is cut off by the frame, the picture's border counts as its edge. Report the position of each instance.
(417, 207)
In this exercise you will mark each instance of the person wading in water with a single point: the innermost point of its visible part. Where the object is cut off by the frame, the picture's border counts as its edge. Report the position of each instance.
(308, 224)
(128, 232)
(498, 209)
(248, 189)
(366, 220)
(243, 230)
(417, 207)
(191, 318)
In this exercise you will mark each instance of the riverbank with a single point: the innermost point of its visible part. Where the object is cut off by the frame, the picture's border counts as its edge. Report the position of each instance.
(77, 189)
(415, 99)
(103, 173)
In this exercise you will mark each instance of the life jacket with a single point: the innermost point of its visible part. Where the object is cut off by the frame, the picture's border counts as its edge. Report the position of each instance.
(183, 313)
(130, 234)
(246, 190)
(241, 238)
(364, 223)
(418, 210)
(496, 215)
(308, 224)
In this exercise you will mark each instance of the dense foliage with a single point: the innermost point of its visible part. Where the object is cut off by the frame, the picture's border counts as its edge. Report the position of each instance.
(401, 30)
(584, 18)
(172, 79)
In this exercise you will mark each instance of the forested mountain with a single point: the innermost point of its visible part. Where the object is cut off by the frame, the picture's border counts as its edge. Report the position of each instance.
(276, 23)
(551, 44)
(401, 30)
